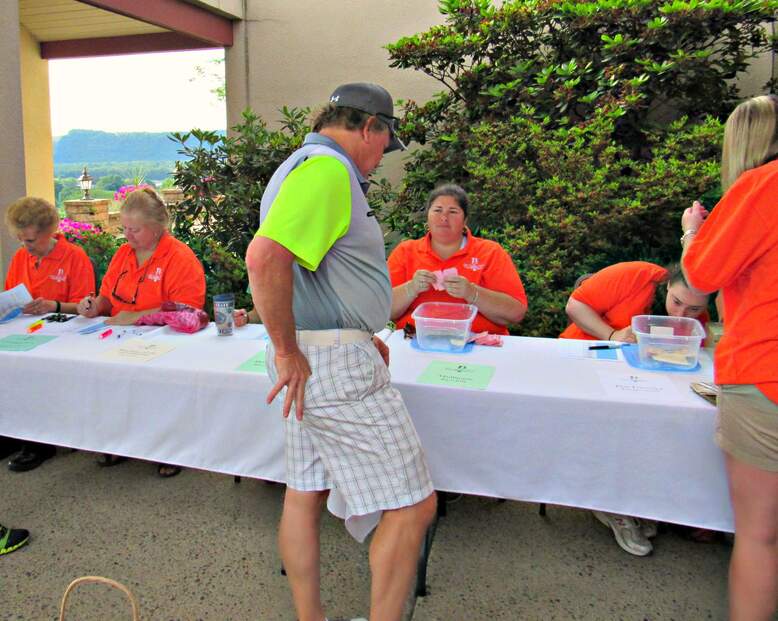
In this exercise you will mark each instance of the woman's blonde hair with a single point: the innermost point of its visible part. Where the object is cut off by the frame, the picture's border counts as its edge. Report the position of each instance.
(147, 204)
(750, 137)
(32, 211)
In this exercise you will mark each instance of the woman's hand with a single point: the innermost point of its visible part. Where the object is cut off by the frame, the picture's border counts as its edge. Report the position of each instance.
(459, 287)
(240, 317)
(87, 307)
(625, 335)
(124, 318)
(382, 348)
(693, 217)
(422, 280)
(39, 306)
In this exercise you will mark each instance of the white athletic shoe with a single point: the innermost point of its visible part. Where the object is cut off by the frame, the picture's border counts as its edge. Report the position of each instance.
(627, 531)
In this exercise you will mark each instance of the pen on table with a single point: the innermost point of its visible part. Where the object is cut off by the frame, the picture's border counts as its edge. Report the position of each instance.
(35, 325)
(106, 334)
(591, 347)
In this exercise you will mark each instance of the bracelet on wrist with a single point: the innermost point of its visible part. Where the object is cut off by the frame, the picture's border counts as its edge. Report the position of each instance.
(59, 306)
(611, 334)
(687, 234)
(475, 297)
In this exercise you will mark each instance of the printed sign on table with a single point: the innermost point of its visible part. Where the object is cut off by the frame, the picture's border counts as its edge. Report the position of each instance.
(255, 364)
(457, 374)
(23, 342)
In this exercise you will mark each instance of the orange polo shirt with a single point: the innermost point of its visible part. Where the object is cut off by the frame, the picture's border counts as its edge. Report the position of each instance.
(617, 293)
(173, 273)
(63, 275)
(736, 250)
(481, 261)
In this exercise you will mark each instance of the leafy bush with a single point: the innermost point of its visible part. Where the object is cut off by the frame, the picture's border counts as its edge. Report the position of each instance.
(223, 179)
(580, 129)
(98, 245)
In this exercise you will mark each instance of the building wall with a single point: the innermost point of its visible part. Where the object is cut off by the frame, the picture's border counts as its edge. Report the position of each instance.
(36, 114)
(12, 168)
(296, 53)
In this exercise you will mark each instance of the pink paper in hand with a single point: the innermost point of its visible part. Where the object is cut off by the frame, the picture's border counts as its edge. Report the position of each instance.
(440, 276)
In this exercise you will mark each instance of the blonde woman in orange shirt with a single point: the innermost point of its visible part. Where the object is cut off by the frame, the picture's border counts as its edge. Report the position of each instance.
(735, 249)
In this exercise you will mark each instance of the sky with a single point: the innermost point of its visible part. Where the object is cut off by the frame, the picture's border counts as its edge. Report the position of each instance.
(159, 92)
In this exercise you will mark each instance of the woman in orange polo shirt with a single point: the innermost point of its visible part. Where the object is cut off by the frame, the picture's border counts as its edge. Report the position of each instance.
(485, 274)
(601, 308)
(151, 268)
(603, 305)
(56, 273)
(735, 249)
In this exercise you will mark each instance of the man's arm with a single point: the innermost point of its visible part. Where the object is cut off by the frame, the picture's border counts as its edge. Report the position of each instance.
(269, 267)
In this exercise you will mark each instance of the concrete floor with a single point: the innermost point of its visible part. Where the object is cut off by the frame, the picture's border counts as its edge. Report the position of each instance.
(198, 546)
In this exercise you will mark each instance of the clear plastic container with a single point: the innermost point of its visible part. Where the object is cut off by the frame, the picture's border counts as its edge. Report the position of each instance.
(668, 341)
(443, 326)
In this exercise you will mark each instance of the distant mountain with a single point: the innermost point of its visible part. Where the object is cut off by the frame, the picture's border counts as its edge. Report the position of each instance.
(88, 146)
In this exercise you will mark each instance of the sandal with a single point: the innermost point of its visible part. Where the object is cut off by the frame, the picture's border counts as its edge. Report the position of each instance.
(166, 470)
(108, 461)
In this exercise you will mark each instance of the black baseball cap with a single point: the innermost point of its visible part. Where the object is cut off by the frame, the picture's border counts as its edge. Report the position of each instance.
(372, 99)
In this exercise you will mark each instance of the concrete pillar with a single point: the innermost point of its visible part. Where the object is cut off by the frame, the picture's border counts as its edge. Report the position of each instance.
(12, 168)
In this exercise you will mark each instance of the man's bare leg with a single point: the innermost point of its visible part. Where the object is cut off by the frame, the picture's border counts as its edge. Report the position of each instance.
(394, 554)
(298, 540)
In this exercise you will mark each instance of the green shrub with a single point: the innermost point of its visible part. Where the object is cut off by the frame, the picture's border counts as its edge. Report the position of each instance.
(223, 179)
(99, 245)
(580, 129)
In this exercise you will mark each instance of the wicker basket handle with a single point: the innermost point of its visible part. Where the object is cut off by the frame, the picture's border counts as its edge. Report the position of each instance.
(99, 580)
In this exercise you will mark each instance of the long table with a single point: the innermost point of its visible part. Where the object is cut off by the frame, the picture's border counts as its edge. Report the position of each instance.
(553, 425)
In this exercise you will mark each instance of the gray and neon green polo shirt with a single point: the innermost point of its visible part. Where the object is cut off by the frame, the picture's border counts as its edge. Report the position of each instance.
(315, 207)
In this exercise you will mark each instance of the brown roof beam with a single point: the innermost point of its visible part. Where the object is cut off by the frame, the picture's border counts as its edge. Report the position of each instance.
(175, 15)
(128, 44)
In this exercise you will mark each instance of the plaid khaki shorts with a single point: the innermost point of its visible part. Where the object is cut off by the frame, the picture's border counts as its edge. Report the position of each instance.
(356, 435)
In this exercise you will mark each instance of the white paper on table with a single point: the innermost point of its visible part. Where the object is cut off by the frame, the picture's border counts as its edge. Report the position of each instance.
(13, 299)
(580, 350)
(569, 348)
(635, 384)
(137, 350)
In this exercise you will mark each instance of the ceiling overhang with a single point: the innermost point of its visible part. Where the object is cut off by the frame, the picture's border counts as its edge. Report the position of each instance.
(82, 28)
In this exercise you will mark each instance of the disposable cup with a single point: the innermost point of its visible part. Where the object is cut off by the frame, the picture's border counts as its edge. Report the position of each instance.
(223, 307)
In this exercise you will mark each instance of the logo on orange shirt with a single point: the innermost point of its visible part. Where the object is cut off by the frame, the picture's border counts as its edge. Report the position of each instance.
(156, 275)
(473, 265)
(59, 276)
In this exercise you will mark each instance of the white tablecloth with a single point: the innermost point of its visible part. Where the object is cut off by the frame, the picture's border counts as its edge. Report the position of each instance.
(549, 428)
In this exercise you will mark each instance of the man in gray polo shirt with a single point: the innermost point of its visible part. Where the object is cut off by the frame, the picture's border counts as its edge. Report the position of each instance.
(319, 280)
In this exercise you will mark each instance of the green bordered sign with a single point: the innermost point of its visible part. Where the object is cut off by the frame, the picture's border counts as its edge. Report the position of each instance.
(457, 374)
(23, 342)
(255, 364)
